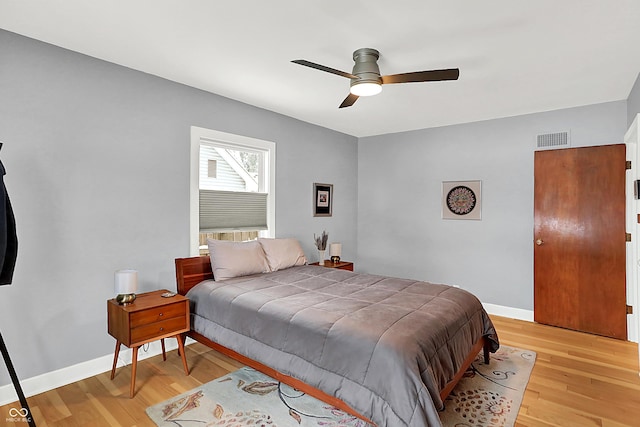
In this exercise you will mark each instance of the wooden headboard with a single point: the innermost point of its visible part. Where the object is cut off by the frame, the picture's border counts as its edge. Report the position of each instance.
(191, 271)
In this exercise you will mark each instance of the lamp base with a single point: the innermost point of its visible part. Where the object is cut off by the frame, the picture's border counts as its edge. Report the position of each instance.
(335, 259)
(124, 299)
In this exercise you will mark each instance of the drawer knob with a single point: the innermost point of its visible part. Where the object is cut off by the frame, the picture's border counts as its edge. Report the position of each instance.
(161, 329)
(160, 314)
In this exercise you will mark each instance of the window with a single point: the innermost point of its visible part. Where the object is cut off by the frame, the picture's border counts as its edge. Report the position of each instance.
(232, 187)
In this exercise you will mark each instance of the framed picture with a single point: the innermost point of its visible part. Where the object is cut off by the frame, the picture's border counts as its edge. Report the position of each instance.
(462, 200)
(322, 199)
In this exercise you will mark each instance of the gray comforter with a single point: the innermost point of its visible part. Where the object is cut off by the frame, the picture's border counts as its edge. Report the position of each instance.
(385, 346)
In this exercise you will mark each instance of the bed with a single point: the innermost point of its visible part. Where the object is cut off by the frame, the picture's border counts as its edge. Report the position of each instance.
(387, 350)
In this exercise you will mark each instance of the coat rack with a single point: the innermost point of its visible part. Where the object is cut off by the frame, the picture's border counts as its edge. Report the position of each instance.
(24, 413)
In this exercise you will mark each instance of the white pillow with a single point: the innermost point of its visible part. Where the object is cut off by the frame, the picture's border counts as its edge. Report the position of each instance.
(283, 253)
(234, 259)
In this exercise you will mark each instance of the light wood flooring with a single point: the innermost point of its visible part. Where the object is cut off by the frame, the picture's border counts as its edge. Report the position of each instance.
(578, 380)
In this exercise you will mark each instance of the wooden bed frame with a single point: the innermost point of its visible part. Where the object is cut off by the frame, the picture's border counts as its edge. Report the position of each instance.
(191, 271)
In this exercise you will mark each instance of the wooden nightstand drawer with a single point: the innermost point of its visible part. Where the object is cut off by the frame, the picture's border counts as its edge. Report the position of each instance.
(158, 314)
(156, 329)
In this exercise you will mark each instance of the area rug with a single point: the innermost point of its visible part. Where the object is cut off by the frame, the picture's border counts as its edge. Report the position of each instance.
(488, 395)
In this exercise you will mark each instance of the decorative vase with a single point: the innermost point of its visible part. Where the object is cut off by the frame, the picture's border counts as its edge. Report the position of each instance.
(321, 256)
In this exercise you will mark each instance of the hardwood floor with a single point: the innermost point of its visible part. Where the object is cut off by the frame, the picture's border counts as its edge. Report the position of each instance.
(578, 380)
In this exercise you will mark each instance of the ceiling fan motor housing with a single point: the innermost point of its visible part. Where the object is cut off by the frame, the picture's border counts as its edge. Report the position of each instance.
(366, 66)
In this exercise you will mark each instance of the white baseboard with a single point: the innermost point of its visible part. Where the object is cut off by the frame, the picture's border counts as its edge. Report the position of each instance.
(50, 380)
(70, 374)
(513, 313)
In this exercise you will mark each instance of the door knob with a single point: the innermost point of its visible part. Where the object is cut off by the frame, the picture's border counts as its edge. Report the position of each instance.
(539, 242)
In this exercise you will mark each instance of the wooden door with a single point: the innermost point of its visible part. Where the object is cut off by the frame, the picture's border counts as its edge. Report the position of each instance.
(579, 240)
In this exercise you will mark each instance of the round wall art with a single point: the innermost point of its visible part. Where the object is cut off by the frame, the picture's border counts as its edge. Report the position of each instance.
(461, 200)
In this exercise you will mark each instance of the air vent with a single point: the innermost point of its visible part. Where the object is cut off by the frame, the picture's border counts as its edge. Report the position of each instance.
(551, 141)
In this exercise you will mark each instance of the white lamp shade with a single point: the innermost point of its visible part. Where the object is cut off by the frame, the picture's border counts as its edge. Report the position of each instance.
(335, 249)
(126, 282)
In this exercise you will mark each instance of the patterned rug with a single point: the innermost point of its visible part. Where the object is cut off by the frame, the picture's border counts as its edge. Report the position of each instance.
(488, 395)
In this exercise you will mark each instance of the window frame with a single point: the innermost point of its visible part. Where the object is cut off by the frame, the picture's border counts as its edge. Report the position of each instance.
(237, 142)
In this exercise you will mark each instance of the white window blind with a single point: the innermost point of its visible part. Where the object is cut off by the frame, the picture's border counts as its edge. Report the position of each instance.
(232, 210)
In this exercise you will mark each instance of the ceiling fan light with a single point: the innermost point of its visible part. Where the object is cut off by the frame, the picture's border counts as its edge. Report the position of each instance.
(366, 89)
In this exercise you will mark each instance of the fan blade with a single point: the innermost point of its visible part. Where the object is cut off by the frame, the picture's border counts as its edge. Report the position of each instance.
(323, 68)
(422, 76)
(349, 100)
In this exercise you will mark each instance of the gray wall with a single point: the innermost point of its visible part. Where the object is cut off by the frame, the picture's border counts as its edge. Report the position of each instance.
(633, 102)
(400, 230)
(97, 160)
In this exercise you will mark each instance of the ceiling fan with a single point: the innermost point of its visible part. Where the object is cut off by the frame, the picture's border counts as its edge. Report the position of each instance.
(366, 79)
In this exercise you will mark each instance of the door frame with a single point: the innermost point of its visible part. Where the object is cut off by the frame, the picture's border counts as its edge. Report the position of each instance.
(632, 141)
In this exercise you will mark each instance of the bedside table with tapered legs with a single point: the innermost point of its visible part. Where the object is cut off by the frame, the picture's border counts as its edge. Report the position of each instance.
(150, 317)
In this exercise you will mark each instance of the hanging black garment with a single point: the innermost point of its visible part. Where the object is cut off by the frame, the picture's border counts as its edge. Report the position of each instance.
(8, 237)
(8, 255)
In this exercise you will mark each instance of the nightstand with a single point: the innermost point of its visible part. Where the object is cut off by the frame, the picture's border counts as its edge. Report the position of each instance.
(150, 317)
(342, 265)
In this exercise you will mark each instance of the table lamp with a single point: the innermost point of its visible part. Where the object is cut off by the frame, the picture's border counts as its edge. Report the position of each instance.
(335, 250)
(126, 286)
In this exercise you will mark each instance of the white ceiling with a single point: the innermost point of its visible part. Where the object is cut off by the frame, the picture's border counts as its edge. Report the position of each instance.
(515, 57)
